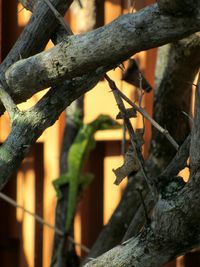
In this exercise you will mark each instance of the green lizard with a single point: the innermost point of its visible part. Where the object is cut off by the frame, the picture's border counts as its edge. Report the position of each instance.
(77, 156)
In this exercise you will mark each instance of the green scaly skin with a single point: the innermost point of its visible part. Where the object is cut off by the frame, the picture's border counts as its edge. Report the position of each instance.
(77, 156)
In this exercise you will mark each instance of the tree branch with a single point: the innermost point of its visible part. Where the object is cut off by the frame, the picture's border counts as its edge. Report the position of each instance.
(172, 96)
(32, 40)
(179, 7)
(150, 119)
(133, 139)
(85, 52)
(8, 103)
(30, 124)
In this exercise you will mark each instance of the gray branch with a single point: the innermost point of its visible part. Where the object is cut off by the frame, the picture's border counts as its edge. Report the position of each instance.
(105, 46)
(179, 7)
(173, 95)
(32, 40)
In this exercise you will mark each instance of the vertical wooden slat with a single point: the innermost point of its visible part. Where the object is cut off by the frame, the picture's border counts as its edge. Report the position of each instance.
(149, 74)
(91, 207)
(10, 29)
(39, 187)
(100, 13)
(9, 244)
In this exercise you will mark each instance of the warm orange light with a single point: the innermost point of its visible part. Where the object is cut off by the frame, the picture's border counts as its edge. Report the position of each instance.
(28, 226)
(77, 231)
(112, 193)
(23, 15)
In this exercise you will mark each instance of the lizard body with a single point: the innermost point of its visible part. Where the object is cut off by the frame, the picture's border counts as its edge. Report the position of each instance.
(77, 156)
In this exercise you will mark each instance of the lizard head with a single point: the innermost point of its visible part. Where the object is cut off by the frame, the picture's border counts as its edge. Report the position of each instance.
(104, 122)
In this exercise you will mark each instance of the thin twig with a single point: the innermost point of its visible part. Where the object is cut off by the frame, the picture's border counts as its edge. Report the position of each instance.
(133, 139)
(149, 118)
(123, 147)
(8, 103)
(59, 17)
(140, 98)
(20, 10)
(187, 115)
(80, 3)
(41, 220)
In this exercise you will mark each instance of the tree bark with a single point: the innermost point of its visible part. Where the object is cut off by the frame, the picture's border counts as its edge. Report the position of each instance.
(174, 227)
(79, 54)
(179, 7)
(173, 90)
(32, 40)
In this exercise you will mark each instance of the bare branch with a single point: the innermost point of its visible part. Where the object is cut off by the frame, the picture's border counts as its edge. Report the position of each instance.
(179, 161)
(8, 103)
(59, 17)
(32, 40)
(134, 141)
(85, 52)
(28, 4)
(149, 118)
(172, 96)
(35, 120)
(179, 7)
(40, 220)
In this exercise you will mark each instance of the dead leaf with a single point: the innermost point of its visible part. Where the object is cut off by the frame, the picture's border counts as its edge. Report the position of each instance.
(130, 113)
(131, 163)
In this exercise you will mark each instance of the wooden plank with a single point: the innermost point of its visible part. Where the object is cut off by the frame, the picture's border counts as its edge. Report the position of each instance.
(10, 29)
(91, 207)
(39, 203)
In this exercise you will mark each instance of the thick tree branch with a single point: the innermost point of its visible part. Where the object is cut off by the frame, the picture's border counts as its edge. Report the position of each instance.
(167, 176)
(37, 32)
(8, 103)
(179, 7)
(29, 125)
(168, 236)
(173, 95)
(127, 35)
(32, 40)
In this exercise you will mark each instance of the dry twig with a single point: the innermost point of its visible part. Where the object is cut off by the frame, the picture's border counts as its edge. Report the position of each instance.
(149, 118)
(41, 220)
(59, 17)
(8, 103)
(133, 139)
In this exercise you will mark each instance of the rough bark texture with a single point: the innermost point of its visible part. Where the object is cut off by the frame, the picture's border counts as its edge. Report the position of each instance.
(169, 88)
(179, 7)
(182, 66)
(168, 234)
(126, 36)
(32, 40)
